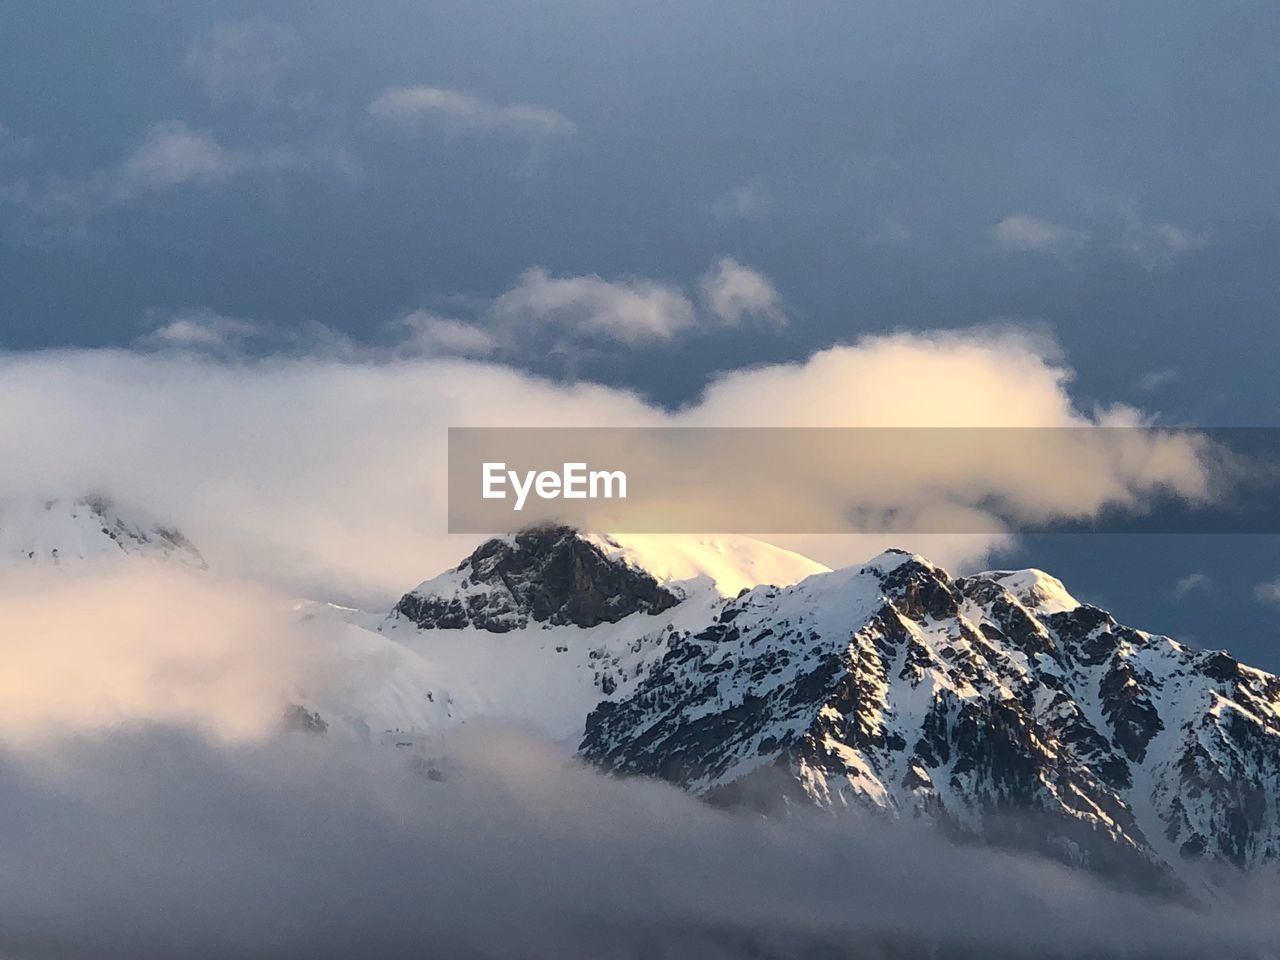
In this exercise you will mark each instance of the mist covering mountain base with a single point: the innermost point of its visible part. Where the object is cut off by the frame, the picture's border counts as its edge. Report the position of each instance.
(994, 706)
(578, 733)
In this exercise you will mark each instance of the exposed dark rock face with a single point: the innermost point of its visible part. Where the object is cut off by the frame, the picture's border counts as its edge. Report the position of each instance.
(1127, 706)
(549, 575)
(127, 534)
(899, 690)
(298, 717)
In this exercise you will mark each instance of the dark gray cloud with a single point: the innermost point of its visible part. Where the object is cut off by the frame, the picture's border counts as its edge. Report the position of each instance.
(154, 843)
(795, 141)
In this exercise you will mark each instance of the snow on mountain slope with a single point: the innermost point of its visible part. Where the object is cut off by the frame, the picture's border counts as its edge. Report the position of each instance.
(732, 564)
(1034, 589)
(555, 575)
(91, 529)
(995, 706)
(389, 680)
(550, 678)
(895, 688)
(502, 635)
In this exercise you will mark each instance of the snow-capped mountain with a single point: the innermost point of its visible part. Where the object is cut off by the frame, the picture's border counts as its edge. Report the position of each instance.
(989, 704)
(557, 576)
(995, 705)
(64, 531)
(497, 637)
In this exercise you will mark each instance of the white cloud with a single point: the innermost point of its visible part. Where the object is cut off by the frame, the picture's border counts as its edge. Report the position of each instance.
(100, 647)
(1113, 230)
(984, 376)
(427, 334)
(1268, 593)
(1155, 243)
(11, 145)
(453, 111)
(1023, 232)
(1155, 379)
(743, 202)
(574, 314)
(1192, 583)
(173, 155)
(242, 59)
(630, 311)
(326, 475)
(974, 378)
(735, 295)
(201, 329)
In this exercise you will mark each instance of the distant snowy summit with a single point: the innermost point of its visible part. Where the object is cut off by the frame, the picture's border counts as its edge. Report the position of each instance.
(90, 529)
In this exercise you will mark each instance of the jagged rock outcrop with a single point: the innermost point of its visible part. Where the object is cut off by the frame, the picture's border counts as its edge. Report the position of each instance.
(547, 575)
(995, 706)
(298, 718)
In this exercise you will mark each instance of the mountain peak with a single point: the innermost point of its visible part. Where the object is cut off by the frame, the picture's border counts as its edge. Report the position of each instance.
(91, 528)
(548, 574)
(728, 564)
(895, 688)
(886, 561)
(554, 574)
(1034, 589)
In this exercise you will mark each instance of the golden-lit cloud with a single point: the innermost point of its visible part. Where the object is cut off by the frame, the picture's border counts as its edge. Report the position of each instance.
(326, 476)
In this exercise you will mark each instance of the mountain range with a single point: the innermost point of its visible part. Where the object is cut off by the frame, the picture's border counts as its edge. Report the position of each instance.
(994, 706)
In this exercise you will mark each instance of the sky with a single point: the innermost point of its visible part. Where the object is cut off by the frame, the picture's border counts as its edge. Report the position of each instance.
(648, 197)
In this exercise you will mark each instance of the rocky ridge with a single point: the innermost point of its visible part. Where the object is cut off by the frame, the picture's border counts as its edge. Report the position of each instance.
(995, 706)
